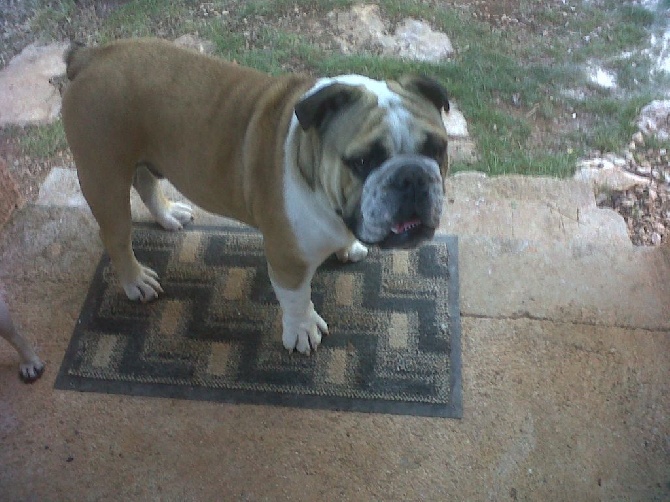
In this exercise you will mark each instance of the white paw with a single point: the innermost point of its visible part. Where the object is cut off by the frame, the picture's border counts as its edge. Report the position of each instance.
(145, 287)
(175, 216)
(31, 371)
(304, 334)
(354, 253)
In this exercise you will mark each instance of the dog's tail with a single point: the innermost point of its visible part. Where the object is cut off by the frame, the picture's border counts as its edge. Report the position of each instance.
(76, 58)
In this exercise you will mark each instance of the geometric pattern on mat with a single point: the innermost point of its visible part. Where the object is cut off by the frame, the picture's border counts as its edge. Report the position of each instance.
(215, 334)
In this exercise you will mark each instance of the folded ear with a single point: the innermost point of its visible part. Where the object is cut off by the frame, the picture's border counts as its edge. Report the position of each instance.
(429, 88)
(318, 107)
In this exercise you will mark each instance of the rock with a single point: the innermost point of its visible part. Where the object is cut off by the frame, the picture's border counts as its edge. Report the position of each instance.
(455, 123)
(462, 150)
(654, 119)
(601, 77)
(643, 170)
(362, 28)
(597, 163)
(638, 138)
(26, 96)
(61, 189)
(416, 40)
(195, 43)
(359, 28)
(607, 173)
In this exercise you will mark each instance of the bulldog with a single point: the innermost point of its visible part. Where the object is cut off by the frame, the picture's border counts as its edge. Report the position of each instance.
(319, 166)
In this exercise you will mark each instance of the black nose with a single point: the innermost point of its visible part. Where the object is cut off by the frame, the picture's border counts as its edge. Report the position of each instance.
(411, 184)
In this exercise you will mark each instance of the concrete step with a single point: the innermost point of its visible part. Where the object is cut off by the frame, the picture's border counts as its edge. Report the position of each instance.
(537, 209)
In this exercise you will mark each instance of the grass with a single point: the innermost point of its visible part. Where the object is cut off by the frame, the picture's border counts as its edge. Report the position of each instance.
(41, 141)
(508, 83)
(616, 126)
(273, 51)
(141, 18)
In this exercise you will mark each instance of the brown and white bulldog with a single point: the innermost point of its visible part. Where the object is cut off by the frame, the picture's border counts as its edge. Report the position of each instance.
(318, 166)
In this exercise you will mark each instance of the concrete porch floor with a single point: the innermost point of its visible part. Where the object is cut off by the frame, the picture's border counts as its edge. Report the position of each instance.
(566, 375)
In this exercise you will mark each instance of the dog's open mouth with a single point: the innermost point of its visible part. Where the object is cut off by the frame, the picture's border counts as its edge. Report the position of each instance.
(401, 228)
(407, 234)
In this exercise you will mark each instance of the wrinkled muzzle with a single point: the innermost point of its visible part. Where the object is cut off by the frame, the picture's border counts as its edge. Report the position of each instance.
(401, 203)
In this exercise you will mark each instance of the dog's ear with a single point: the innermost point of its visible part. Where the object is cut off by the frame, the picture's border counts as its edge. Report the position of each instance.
(429, 88)
(317, 108)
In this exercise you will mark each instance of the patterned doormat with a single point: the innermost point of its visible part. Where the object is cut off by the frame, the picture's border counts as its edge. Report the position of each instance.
(215, 334)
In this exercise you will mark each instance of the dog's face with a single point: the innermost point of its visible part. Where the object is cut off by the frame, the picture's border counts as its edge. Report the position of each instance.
(380, 155)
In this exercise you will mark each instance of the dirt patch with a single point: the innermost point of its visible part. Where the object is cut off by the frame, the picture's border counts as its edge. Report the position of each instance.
(644, 207)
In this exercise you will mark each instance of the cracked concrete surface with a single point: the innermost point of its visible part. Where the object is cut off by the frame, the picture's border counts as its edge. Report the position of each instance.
(566, 357)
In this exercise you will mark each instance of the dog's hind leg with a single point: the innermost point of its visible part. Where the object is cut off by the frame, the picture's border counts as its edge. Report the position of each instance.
(108, 197)
(170, 215)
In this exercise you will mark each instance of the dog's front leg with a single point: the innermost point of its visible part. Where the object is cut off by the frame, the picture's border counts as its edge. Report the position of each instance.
(302, 326)
(31, 366)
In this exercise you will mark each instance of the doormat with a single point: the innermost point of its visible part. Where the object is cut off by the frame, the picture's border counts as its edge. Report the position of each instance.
(215, 334)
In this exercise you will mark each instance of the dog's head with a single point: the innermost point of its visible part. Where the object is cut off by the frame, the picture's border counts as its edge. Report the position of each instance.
(380, 154)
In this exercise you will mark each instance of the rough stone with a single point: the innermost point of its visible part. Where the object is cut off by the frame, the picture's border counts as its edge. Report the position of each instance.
(461, 147)
(61, 189)
(455, 123)
(363, 28)
(9, 194)
(195, 43)
(660, 50)
(601, 77)
(654, 119)
(607, 173)
(26, 96)
(610, 179)
(462, 150)
(416, 40)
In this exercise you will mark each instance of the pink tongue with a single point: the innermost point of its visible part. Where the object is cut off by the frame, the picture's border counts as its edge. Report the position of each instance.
(399, 228)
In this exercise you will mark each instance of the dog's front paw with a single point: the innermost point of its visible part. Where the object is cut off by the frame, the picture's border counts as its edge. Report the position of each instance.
(144, 287)
(175, 215)
(32, 370)
(354, 253)
(304, 334)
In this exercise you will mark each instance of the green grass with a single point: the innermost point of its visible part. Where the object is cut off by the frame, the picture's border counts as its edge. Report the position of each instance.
(41, 141)
(141, 18)
(273, 52)
(272, 8)
(613, 120)
(49, 16)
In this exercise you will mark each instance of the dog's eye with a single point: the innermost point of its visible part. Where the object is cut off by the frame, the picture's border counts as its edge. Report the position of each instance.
(435, 148)
(362, 165)
(359, 165)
